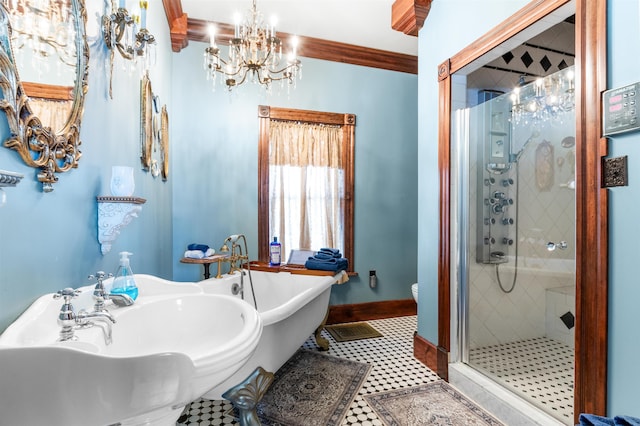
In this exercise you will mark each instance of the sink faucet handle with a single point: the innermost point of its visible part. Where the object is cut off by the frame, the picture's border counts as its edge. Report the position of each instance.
(66, 316)
(100, 276)
(99, 292)
(66, 293)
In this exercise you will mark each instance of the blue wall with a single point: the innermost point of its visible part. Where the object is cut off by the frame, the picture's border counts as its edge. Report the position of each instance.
(476, 18)
(624, 291)
(471, 22)
(49, 241)
(216, 159)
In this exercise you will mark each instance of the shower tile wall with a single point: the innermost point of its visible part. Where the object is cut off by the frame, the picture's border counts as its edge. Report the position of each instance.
(546, 214)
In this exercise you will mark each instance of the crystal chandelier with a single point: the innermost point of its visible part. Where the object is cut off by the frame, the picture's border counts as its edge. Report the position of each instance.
(544, 99)
(46, 28)
(255, 54)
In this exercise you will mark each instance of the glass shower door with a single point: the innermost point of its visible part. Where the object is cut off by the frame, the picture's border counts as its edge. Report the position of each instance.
(520, 260)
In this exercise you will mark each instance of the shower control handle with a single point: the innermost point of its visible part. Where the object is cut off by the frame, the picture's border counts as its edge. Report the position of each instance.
(489, 240)
(562, 245)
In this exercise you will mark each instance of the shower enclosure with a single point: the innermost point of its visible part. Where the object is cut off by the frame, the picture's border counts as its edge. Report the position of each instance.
(515, 190)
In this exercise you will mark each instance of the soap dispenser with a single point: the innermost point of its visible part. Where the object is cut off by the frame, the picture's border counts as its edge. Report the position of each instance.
(124, 281)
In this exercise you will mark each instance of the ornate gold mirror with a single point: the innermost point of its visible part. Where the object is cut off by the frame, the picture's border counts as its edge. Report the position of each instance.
(43, 79)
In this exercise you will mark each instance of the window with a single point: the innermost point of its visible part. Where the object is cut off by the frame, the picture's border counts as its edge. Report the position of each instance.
(305, 192)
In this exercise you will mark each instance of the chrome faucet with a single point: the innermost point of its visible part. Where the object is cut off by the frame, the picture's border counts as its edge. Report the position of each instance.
(100, 295)
(86, 319)
(562, 245)
(67, 317)
(69, 320)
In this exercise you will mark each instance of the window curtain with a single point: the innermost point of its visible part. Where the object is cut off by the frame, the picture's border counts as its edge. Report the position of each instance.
(306, 185)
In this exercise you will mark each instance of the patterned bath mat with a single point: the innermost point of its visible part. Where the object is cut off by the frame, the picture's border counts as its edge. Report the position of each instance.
(435, 403)
(352, 331)
(312, 389)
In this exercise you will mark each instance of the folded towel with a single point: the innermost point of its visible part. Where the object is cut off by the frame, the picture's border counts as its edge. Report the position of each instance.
(323, 256)
(201, 247)
(194, 254)
(210, 252)
(330, 251)
(327, 264)
(593, 420)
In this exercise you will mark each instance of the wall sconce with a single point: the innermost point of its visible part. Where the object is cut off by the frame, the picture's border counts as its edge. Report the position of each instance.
(127, 33)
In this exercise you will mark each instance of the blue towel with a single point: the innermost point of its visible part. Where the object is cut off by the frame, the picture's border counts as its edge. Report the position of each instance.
(331, 251)
(327, 264)
(324, 256)
(201, 247)
(593, 420)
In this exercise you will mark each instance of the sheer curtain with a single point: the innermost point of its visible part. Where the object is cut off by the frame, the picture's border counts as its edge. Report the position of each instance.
(306, 185)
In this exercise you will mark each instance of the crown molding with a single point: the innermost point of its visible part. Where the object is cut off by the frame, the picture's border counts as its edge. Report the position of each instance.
(182, 29)
(408, 16)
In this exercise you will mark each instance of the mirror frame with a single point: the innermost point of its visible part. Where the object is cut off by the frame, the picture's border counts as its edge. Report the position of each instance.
(590, 381)
(52, 151)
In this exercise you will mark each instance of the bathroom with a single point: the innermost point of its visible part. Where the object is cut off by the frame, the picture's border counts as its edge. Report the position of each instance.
(49, 241)
(212, 189)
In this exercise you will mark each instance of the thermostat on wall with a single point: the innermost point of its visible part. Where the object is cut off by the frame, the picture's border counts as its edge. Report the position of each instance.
(620, 110)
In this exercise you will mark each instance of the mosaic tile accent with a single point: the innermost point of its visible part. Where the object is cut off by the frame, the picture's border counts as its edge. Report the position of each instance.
(539, 370)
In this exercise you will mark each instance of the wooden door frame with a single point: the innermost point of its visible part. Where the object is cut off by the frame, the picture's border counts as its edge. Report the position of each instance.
(590, 387)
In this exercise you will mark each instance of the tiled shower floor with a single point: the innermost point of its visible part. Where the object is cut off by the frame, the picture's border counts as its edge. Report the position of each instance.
(539, 370)
(394, 367)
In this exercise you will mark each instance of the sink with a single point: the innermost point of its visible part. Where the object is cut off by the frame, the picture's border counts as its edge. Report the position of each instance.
(172, 346)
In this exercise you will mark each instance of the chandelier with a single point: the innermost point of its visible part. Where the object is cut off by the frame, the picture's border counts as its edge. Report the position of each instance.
(255, 54)
(46, 28)
(544, 99)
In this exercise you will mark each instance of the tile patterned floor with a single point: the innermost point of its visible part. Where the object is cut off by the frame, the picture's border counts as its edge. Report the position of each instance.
(394, 367)
(540, 370)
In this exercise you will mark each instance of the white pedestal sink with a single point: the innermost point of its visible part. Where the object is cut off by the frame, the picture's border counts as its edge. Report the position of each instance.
(172, 346)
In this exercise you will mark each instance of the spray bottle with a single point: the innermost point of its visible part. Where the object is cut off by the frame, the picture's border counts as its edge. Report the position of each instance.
(124, 281)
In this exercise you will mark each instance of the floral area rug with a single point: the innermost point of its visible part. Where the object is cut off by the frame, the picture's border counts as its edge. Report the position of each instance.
(312, 389)
(432, 404)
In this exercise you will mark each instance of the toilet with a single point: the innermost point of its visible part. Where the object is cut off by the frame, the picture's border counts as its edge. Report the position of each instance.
(414, 291)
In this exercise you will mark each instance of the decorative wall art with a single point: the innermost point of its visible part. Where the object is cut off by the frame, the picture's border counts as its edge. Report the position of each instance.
(146, 121)
(154, 131)
(164, 142)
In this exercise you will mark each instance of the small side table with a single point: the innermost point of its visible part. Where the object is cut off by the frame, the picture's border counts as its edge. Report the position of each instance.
(206, 262)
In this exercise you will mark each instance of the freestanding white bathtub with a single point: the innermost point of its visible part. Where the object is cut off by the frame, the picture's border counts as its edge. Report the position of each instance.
(291, 308)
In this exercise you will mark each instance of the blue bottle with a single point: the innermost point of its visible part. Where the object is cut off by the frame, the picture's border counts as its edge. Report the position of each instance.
(275, 252)
(124, 281)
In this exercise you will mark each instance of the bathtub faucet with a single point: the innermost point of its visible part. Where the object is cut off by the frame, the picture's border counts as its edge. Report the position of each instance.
(236, 256)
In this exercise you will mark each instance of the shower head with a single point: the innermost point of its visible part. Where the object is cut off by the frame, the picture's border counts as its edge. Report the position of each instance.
(516, 157)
